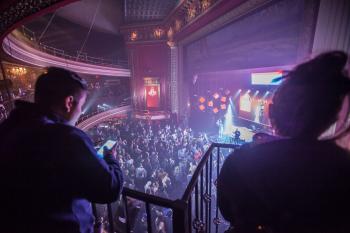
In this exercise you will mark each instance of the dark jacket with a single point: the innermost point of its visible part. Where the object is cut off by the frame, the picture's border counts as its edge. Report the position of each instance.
(289, 185)
(49, 174)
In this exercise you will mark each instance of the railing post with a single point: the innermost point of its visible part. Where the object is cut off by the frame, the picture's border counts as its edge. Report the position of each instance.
(180, 217)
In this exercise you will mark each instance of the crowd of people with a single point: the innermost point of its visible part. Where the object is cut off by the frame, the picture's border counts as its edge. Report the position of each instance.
(295, 182)
(156, 157)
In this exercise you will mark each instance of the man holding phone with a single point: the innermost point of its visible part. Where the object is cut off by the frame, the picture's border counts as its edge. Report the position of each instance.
(49, 169)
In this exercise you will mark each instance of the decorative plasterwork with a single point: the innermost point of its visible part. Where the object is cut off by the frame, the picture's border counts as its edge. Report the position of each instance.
(235, 14)
(184, 15)
(188, 13)
(145, 33)
(146, 10)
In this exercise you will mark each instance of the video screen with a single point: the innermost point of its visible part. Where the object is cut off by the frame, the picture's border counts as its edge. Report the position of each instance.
(254, 108)
(266, 78)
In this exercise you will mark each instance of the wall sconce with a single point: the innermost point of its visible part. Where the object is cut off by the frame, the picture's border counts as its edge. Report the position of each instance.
(178, 25)
(205, 4)
(191, 12)
(158, 33)
(133, 36)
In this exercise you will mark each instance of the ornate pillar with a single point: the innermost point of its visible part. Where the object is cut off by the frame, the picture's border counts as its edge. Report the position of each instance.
(174, 79)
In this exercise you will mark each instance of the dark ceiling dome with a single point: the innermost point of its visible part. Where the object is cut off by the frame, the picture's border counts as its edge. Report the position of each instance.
(109, 15)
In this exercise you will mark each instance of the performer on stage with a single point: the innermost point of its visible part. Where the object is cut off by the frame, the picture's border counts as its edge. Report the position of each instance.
(221, 128)
(236, 136)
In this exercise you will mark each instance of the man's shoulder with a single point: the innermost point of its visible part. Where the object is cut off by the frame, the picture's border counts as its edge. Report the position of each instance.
(286, 150)
(249, 151)
(65, 128)
(66, 131)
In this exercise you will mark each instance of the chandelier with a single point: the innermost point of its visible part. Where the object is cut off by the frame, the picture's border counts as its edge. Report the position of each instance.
(18, 71)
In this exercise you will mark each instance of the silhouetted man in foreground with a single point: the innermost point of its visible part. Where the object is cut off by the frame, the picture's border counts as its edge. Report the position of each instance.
(49, 169)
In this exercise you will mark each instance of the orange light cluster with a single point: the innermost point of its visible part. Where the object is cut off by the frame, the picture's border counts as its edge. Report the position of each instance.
(223, 106)
(210, 103)
(201, 107)
(215, 110)
(201, 99)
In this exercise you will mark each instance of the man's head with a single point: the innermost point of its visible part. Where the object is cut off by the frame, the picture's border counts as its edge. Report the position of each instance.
(309, 100)
(61, 91)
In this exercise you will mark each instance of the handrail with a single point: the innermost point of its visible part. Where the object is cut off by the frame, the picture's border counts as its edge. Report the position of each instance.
(105, 115)
(194, 210)
(87, 116)
(20, 49)
(200, 166)
(29, 34)
(152, 199)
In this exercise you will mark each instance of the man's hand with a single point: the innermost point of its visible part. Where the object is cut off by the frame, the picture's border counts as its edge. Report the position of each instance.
(111, 152)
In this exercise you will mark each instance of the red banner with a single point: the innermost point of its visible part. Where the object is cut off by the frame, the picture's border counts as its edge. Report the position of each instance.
(152, 96)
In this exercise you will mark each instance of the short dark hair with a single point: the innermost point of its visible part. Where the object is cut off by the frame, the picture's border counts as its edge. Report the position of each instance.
(57, 83)
(310, 97)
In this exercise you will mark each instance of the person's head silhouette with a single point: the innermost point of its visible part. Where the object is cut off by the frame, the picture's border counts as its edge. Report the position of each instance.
(308, 101)
(61, 91)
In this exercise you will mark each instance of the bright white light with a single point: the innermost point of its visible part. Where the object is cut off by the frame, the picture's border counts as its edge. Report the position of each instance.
(237, 93)
(255, 94)
(245, 103)
(228, 121)
(267, 78)
(266, 94)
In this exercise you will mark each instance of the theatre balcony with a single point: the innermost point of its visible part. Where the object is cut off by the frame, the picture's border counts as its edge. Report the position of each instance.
(178, 85)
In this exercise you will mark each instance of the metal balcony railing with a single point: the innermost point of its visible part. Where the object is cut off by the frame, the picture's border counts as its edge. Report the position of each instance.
(81, 57)
(197, 209)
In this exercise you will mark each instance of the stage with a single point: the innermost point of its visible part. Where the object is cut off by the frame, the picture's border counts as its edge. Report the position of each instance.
(228, 135)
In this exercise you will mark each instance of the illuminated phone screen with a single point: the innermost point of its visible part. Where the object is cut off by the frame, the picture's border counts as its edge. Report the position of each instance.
(109, 144)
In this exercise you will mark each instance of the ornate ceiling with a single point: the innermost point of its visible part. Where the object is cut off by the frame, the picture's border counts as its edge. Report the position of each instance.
(86, 25)
(147, 10)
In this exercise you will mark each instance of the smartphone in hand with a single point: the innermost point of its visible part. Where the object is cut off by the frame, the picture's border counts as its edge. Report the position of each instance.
(108, 144)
